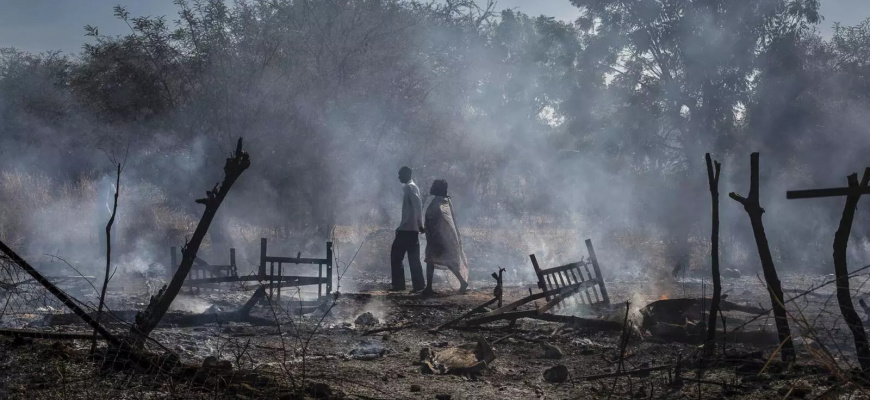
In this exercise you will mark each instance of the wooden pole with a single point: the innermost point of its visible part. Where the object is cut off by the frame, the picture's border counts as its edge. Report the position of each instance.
(713, 179)
(262, 271)
(774, 287)
(328, 268)
(148, 318)
(831, 192)
(844, 297)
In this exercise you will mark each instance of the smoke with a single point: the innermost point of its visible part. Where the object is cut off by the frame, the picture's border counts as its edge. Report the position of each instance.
(542, 144)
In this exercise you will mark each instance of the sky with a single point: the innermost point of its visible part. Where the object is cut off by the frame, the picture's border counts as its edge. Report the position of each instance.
(44, 25)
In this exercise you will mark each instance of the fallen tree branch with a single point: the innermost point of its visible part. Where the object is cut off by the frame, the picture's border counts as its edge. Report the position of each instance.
(171, 318)
(63, 297)
(808, 292)
(802, 293)
(148, 318)
(26, 333)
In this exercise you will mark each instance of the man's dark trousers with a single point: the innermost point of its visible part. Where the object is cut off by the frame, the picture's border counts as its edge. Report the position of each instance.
(407, 242)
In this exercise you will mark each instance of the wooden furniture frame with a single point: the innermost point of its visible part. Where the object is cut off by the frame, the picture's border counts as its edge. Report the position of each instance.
(574, 273)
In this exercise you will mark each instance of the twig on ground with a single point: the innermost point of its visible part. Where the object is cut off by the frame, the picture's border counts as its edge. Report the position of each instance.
(386, 329)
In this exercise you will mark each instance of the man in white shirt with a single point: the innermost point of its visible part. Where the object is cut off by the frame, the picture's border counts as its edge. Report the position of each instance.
(408, 236)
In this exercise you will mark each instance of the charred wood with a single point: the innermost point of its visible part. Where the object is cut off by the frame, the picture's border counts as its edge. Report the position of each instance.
(108, 273)
(170, 319)
(713, 178)
(27, 333)
(844, 297)
(63, 297)
(774, 287)
(464, 315)
(150, 317)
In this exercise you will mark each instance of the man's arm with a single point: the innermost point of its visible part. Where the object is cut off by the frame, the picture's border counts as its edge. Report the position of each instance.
(417, 205)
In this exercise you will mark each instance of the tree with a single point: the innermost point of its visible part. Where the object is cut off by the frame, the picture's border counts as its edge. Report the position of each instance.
(681, 74)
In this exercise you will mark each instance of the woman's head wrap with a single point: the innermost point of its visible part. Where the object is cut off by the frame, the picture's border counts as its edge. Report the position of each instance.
(439, 188)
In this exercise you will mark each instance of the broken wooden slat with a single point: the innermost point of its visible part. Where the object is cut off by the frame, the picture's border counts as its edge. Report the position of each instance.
(537, 296)
(296, 260)
(828, 192)
(567, 267)
(558, 299)
(299, 280)
(594, 290)
(541, 283)
(597, 269)
(527, 299)
(463, 316)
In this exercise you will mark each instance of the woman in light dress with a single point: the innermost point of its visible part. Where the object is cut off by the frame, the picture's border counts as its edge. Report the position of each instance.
(443, 245)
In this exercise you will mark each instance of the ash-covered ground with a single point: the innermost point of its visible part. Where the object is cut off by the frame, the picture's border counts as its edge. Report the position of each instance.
(332, 352)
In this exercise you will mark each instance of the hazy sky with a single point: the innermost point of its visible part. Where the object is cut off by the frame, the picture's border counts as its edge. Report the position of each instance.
(40, 25)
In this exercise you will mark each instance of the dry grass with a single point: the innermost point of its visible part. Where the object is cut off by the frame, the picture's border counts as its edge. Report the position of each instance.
(40, 214)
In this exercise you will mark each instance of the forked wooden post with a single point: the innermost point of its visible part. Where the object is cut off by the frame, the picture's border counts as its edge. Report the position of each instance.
(774, 286)
(597, 269)
(713, 169)
(841, 239)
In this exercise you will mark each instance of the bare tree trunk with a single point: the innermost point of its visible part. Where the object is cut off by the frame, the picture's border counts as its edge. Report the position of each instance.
(148, 319)
(108, 256)
(844, 298)
(713, 178)
(774, 287)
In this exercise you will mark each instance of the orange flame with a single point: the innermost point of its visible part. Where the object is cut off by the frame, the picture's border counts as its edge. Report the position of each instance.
(664, 297)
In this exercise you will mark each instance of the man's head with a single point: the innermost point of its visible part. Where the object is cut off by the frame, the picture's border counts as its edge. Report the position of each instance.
(439, 188)
(405, 174)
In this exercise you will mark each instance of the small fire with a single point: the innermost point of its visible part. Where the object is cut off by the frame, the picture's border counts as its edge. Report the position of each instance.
(664, 297)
